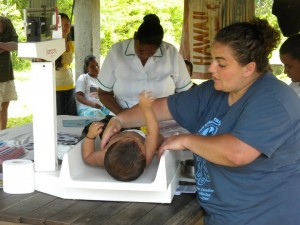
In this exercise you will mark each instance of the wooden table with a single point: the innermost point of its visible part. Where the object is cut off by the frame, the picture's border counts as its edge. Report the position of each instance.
(40, 208)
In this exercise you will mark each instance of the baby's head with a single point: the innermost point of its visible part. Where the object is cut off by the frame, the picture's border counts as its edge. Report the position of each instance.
(125, 158)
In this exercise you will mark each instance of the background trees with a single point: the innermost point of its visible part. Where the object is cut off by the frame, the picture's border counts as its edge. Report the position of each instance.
(119, 19)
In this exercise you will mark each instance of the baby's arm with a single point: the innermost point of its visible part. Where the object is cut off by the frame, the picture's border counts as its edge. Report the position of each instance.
(89, 153)
(153, 138)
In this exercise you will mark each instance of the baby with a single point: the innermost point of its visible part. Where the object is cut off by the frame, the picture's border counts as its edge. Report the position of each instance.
(129, 152)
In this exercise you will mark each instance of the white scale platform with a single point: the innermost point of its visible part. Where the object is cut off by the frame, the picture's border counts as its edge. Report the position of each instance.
(74, 179)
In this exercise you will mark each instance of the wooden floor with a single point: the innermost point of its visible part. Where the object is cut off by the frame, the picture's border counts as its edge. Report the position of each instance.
(40, 208)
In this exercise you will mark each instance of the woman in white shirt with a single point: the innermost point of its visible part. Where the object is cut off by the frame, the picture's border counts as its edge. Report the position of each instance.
(144, 62)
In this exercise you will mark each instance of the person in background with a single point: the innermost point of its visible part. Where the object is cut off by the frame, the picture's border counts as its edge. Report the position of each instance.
(144, 62)
(245, 131)
(8, 43)
(65, 87)
(88, 103)
(290, 57)
(129, 152)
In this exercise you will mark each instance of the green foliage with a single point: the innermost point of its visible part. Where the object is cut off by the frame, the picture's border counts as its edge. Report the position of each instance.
(20, 64)
(121, 18)
(20, 4)
(18, 121)
(65, 6)
(263, 10)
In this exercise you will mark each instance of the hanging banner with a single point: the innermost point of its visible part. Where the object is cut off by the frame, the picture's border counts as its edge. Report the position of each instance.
(202, 20)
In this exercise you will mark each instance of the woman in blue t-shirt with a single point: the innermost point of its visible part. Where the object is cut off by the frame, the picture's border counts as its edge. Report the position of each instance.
(245, 131)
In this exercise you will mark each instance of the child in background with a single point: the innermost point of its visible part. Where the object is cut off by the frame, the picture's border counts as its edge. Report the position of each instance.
(129, 152)
(88, 103)
(65, 87)
(290, 57)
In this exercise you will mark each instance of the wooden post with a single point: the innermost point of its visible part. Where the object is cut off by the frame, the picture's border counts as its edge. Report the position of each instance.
(87, 32)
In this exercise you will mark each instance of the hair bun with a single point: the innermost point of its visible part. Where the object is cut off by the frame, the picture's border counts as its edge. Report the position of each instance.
(151, 18)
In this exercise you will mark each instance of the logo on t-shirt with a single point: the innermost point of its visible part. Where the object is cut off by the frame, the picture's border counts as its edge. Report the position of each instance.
(93, 92)
(202, 174)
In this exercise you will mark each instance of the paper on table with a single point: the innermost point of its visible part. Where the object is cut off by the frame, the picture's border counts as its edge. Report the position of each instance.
(76, 123)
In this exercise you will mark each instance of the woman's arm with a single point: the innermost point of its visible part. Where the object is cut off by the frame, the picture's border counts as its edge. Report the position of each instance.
(224, 149)
(8, 46)
(109, 101)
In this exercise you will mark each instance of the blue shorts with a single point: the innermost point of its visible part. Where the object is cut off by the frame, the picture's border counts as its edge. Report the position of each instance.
(93, 112)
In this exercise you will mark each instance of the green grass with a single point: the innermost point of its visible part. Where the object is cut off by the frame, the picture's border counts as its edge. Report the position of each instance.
(18, 121)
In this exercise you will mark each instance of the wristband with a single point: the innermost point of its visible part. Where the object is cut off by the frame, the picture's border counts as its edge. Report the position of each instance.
(90, 138)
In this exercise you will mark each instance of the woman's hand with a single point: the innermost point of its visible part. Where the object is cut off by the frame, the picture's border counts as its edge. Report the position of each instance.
(114, 126)
(172, 143)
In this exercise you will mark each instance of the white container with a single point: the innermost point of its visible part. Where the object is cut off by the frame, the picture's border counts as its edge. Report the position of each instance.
(18, 176)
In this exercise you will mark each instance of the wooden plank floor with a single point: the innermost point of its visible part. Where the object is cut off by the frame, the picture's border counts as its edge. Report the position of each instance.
(40, 208)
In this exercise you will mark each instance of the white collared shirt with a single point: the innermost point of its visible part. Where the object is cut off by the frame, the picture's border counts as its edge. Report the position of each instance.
(123, 73)
(296, 87)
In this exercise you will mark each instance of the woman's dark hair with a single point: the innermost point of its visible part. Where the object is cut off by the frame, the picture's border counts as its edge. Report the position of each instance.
(291, 46)
(87, 61)
(150, 31)
(125, 161)
(58, 61)
(251, 42)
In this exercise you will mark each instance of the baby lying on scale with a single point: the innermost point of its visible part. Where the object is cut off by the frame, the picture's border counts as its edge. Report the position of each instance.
(127, 153)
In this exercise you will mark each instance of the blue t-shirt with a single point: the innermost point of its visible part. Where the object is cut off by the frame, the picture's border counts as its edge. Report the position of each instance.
(266, 117)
